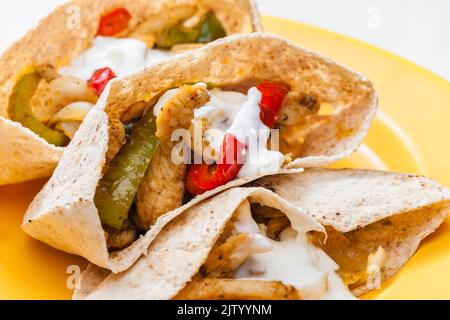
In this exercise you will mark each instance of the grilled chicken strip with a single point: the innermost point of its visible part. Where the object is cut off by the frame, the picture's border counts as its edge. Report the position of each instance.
(120, 239)
(163, 187)
(227, 257)
(229, 289)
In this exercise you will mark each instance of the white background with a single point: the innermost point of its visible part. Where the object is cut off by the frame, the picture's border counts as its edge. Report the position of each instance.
(418, 30)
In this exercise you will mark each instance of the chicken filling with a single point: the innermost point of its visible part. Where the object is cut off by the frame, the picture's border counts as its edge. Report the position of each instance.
(264, 255)
(152, 169)
(52, 103)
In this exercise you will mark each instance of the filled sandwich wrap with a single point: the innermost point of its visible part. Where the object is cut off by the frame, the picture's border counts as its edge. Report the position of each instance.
(249, 243)
(210, 250)
(186, 129)
(51, 78)
(363, 210)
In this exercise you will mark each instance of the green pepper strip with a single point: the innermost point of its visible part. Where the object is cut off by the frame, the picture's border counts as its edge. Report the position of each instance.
(20, 110)
(118, 187)
(208, 30)
(211, 29)
(176, 35)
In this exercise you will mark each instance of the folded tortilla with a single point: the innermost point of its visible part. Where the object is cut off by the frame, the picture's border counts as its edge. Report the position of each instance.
(368, 209)
(64, 215)
(23, 154)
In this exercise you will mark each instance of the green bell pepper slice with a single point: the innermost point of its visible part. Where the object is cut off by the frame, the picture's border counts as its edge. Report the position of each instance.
(208, 30)
(211, 29)
(176, 35)
(118, 187)
(20, 110)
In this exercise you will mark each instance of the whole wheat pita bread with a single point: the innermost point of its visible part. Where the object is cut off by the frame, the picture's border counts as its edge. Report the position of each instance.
(67, 200)
(64, 215)
(159, 275)
(356, 201)
(58, 39)
(373, 208)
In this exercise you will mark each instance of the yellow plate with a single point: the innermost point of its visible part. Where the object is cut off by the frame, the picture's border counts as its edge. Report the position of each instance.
(409, 135)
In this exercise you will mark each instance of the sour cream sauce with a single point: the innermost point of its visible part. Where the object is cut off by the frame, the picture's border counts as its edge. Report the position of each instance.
(124, 56)
(238, 114)
(293, 260)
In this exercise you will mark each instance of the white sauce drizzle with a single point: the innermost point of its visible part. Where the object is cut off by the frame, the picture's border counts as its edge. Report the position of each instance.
(124, 56)
(237, 114)
(249, 128)
(219, 113)
(293, 260)
(243, 220)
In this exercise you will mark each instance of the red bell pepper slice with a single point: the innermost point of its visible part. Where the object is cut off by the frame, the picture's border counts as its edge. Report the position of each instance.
(273, 95)
(100, 79)
(203, 177)
(113, 22)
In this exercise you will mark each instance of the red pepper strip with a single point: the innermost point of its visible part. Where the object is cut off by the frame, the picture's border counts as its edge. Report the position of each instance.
(114, 22)
(100, 79)
(273, 95)
(204, 177)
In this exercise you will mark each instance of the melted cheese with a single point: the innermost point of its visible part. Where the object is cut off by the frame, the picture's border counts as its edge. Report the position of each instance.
(124, 56)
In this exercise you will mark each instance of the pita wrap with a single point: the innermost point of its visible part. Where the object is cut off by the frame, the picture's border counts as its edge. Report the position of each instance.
(232, 63)
(68, 198)
(63, 36)
(370, 208)
(189, 238)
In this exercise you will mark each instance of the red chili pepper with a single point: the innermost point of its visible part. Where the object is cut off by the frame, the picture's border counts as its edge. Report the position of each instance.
(273, 95)
(100, 79)
(113, 22)
(203, 177)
